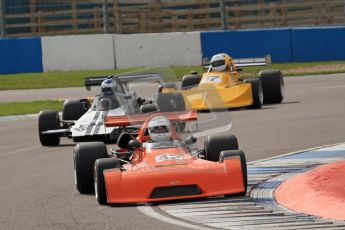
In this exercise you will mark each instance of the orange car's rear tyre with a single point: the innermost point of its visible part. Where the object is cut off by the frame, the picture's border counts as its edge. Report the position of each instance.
(240, 153)
(272, 85)
(189, 81)
(73, 109)
(48, 120)
(215, 144)
(85, 155)
(257, 92)
(99, 183)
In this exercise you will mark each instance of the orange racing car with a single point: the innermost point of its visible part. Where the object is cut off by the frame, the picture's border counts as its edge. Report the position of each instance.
(158, 165)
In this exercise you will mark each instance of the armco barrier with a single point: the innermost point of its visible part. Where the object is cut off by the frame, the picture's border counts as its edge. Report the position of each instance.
(248, 43)
(169, 49)
(20, 55)
(78, 52)
(318, 44)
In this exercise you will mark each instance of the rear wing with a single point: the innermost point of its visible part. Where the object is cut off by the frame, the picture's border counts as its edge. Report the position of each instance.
(122, 121)
(244, 62)
(94, 81)
(124, 79)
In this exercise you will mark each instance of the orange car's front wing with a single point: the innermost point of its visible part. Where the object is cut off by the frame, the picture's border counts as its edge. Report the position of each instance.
(199, 179)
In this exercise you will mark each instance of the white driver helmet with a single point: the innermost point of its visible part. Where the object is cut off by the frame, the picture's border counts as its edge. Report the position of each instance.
(218, 63)
(159, 129)
(109, 86)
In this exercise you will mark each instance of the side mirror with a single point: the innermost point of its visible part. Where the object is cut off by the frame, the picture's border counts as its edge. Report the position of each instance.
(190, 140)
(133, 144)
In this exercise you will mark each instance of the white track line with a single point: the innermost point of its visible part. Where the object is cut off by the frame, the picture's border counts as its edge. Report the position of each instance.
(149, 211)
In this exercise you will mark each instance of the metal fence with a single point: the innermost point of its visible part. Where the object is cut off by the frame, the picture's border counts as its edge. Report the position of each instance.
(59, 17)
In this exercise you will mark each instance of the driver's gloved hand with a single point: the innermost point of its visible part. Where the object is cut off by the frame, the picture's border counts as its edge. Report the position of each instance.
(128, 156)
(140, 101)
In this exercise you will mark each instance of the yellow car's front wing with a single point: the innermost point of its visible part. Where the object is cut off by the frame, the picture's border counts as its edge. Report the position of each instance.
(218, 98)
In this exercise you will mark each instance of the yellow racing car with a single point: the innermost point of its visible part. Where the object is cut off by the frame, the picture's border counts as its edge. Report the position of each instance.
(221, 86)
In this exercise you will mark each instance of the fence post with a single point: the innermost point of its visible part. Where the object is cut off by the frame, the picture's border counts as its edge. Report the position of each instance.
(283, 10)
(2, 19)
(141, 21)
(117, 17)
(190, 25)
(33, 17)
(105, 17)
(40, 22)
(96, 18)
(158, 17)
(74, 15)
(223, 15)
(261, 13)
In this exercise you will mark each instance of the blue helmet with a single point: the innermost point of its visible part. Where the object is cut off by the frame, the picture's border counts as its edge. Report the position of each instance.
(109, 86)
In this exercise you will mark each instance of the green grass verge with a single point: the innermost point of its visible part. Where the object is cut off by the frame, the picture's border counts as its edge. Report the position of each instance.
(295, 66)
(76, 78)
(51, 79)
(32, 107)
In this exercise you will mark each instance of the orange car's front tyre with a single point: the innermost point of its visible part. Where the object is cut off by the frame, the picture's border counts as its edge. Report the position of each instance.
(240, 154)
(99, 182)
(84, 156)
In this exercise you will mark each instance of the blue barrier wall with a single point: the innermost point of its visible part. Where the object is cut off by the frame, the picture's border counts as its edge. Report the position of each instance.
(20, 55)
(284, 45)
(318, 44)
(248, 43)
(23, 55)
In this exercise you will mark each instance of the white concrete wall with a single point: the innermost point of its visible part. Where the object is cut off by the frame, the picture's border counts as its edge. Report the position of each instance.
(165, 49)
(78, 52)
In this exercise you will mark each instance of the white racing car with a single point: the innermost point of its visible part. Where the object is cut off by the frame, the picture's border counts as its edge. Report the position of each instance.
(85, 121)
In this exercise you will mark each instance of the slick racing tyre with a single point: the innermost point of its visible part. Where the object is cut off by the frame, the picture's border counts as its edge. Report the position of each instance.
(85, 155)
(48, 120)
(215, 144)
(73, 109)
(239, 153)
(272, 85)
(257, 92)
(99, 182)
(172, 102)
(148, 108)
(189, 81)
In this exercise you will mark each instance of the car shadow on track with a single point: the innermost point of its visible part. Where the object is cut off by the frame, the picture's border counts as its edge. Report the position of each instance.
(198, 200)
(67, 145)
(291, 102)
(173, 202)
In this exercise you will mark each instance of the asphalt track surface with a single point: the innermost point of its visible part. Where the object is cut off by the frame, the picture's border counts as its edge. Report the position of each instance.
(37, 186)
(56, 93)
